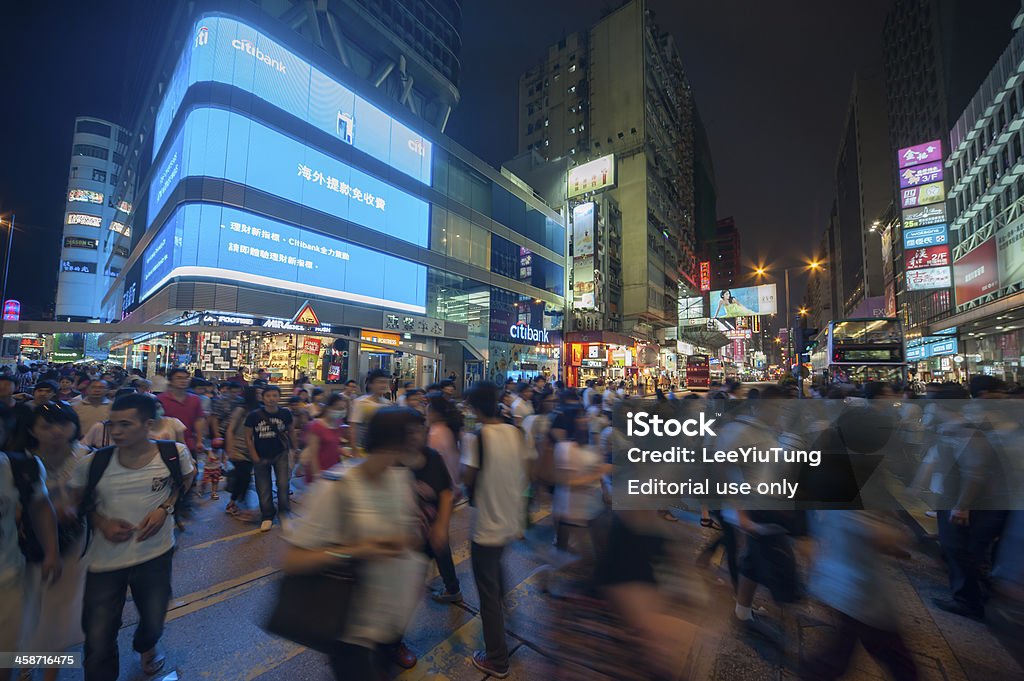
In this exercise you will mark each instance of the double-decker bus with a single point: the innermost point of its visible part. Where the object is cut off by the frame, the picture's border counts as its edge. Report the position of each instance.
(857, 351)
(698, 372)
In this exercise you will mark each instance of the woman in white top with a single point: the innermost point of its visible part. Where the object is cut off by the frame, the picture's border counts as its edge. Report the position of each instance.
(368, 514)
(54, 611)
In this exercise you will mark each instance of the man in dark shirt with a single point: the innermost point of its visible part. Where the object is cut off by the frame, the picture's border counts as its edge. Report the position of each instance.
(270, 432)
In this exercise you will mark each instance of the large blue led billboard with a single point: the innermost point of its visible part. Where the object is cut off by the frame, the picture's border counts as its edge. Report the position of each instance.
(224, 144)
(211, 241)
(225, 50)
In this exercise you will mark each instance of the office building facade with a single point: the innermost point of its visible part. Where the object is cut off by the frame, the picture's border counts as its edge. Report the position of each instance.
(275, 175)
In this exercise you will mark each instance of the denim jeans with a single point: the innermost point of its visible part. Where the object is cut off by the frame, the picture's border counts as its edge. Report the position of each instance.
(240, 477)
(282, 471)
(490, 584)
(967, 551)
(445, 566)
(103, 606)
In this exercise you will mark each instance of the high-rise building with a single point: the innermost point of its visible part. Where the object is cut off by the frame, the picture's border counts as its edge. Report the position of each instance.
(863, 191)
(936, 53)
(725, 257)
(985, 169)
(275, 173)
(95, 235)
(614, 100)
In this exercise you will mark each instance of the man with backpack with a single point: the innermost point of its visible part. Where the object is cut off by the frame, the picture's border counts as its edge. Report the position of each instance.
(270, 434)
(128, 492)
(495, 460)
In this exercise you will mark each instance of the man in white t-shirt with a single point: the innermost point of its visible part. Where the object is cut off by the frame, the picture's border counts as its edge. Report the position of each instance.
(132, 540)
(378, 384)
(495, 461)
(523, 404)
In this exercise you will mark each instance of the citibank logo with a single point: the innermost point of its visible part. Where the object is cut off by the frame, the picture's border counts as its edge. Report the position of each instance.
(417, 147)
(250, 49)
(526, 333)
(202, 36)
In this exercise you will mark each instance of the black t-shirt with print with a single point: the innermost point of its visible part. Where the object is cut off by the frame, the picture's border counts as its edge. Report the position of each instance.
(270, 432)
(431, 480)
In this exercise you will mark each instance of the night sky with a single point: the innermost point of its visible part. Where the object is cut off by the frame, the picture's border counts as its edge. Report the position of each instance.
(771, 80)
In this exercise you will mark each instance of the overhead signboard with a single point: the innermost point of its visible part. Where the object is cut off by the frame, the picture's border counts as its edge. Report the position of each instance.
(922, 216)
(922, 195)
(80, 242)
(922, 174)
(591, 177)
(743, 302)
(931, 278)
(931, 347)
(84, 219)
(705, 276)
(583, 280)
(224, 144)
(225, 50)
(1010, 251)
(920, 153)
(379, 337)
(203, 241)
(928, 256)
(934, 235)
(85, 195)
(976, 273)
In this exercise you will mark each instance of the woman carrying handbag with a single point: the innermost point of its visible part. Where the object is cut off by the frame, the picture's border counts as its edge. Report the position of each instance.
(353, 576)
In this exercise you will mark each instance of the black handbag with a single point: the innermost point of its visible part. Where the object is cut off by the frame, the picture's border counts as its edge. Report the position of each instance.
(312, 610)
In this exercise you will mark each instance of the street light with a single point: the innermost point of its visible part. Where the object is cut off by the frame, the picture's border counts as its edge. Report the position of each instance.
(7, 269)
(810, 266)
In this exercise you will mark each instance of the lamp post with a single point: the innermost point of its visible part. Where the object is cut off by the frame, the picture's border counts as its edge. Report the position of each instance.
(7, 269)
(811, 266)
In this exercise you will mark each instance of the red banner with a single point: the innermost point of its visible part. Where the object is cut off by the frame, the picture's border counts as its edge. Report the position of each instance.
(927, 256)
(976, 274)
(705, 276)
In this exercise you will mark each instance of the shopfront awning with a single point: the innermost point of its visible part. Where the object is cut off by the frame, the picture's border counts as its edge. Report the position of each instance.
(112, 333)
(983, 315)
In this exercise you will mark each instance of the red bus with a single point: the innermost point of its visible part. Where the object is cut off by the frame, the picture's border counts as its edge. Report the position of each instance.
(698, 372)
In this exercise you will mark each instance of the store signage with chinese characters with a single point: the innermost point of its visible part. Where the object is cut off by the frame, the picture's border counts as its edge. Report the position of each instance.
(976, 273)
(922, 174)
(922, 195)
(934, 235)
(12, 310)
(78, 266)
(922, 216)
(85, 195)
(705, 276)
(423, 326)
(522, 332)
(593, 176)
(238, 55)
(920, 153)
(931, 278)
(928, 256)
(83, 219)
(737, 334)
(120, 228)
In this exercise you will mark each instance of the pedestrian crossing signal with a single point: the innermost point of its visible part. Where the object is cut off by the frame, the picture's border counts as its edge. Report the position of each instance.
(306, 316)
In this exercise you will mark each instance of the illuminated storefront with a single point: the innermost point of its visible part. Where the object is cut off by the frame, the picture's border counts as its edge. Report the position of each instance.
(273, 180)
(601, 355)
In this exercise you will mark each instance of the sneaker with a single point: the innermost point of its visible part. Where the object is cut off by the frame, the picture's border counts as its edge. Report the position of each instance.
(266, 525)
(214, 495)
(231, 508)
(959, 608)
(153, 660)
(481, 662)
(403, 657)
(443, 596)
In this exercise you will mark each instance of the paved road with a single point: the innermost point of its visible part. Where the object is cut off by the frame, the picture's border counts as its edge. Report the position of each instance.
(225, 573)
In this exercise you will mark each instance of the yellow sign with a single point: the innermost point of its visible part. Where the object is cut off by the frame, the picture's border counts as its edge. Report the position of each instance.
(591, 177)
(379, 337)
(306, 316)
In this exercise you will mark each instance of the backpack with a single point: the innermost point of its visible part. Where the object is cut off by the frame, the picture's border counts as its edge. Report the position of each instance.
(97, 467)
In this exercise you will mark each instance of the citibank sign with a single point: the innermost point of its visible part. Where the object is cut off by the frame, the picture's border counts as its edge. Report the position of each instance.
(526, 333)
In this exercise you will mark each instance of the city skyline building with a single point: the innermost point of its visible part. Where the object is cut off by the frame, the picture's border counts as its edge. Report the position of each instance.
(725, 255)
(274, 176)
(95, 232)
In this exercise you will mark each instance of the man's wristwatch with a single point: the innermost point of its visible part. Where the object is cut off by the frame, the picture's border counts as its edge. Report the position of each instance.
(168, 509)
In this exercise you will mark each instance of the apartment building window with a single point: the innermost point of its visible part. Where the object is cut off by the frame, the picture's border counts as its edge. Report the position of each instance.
(572, 67)
(571, 89)
(529, 129)
(93, 128)
(90, 150)
(118, 159)
(572, 130)
(547, 122)
(123, 137)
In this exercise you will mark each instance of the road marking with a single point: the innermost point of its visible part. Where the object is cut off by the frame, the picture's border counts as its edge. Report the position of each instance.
(218, 589)
(291, 651)
(231, 537)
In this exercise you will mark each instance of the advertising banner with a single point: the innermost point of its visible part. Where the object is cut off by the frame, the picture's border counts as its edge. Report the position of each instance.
(80, 242)
(922, 195)
(705, 276)
(920, 153)
(935, 235)
(976, 273)
(922, 174)
(583, 223)
(1010, 249)
(593, 176)
(922, 216)
(217, 242)
(742, 302)
(78, 266)
(928, 256)
(83, 219)
(933, 277)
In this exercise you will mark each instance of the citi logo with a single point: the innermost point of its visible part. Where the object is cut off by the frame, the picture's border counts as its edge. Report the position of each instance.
(202, 36)
(524, 332)
(417, 147)
(250, 49)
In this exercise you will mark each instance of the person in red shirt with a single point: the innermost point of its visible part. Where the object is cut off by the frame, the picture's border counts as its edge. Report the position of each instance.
(180, 404)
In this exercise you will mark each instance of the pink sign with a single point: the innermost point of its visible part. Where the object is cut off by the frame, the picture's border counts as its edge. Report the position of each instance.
(929, 256)
(920, 153)
(922, 174)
